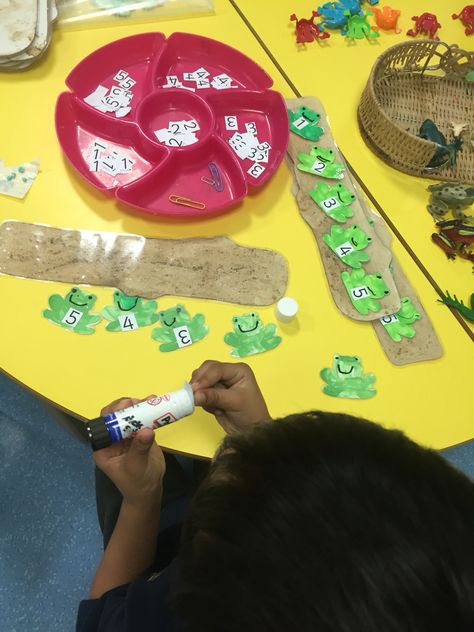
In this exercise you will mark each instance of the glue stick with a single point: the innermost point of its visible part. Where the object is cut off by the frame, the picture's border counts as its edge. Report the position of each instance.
(154, 412)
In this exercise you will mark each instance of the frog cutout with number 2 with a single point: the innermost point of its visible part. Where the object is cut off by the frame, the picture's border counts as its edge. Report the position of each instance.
(129, 313)
(320, 162)
(348, 243)
(303, 122)
(364, 289)
(72, 311)
(333, 200)
(177, 329)
(251, 336)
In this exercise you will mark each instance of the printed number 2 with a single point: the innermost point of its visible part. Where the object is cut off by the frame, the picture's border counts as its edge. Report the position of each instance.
(128, 322)
(72, 317)
(183, 336)
(359, 292)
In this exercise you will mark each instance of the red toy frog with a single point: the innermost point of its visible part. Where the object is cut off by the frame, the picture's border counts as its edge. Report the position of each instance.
(307, 30)
(467, 18)
(427, 24)
(455, 238)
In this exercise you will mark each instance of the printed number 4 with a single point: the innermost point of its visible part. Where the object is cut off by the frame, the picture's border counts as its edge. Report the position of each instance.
(128, 322)
(183, 336)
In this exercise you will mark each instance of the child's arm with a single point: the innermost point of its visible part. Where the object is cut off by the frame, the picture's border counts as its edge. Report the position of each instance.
(137, 468)
(231, 393)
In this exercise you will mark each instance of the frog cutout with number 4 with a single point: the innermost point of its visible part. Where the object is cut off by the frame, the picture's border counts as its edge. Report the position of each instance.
(364, 289)
(303, 122)
(72, 311)
(347, 379)
(177, 329)
(251, 336)
(333, 200)
(399, 325)
(129, 312)
(320, 162)
(347, 243)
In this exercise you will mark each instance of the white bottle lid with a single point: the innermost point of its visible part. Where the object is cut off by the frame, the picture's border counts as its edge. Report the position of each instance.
(286, 309)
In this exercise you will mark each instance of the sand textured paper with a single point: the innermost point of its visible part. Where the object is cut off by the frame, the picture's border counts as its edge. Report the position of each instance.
(17, 25)
(215, 268)
(380, 255)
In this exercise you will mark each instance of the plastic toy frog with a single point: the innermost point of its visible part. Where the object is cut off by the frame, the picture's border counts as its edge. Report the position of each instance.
(399, 325)
(455, 238)
(444, 153)
(303, 122)
(320, 161)
(129, 313)
(427, 24)
(453, 301)
(454, 196)
(333, 200)
(72, 311)
(306, 30)
(364, 289)
(467, 18)
(358, 26)
(251, 336)
(333, 16)
(347, 244)
(346, 379)
(386, 18)
(177, 329)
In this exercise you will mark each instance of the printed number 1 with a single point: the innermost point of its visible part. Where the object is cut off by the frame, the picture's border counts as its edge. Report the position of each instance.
(183, 336)
(300, 123)
(72, 317)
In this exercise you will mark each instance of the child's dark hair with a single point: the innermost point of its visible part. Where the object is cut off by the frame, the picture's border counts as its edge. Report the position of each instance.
(322, 522)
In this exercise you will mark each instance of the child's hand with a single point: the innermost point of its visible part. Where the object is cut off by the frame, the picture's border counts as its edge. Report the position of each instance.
(137, 465)
(230, 392)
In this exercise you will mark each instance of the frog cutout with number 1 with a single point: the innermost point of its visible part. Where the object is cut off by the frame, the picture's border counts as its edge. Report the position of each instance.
(129, 313)
(73, 311)
(177, 329)
(303, 122)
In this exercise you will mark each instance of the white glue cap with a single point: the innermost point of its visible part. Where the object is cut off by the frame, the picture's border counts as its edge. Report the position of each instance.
(286, 309)
(183, 401)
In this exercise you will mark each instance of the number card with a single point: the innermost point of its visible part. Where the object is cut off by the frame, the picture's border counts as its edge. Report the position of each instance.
(121, 75)
(72, 317)
(318, 167)
(128, 322)
(231, 123)
(389, 319)
(256, 170)
(329, 203)
(300, 122)
(251, 128)
(360, 292)
(344, 249)
(183, 336)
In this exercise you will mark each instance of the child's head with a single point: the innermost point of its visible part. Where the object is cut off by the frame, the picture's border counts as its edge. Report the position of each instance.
(325, 523)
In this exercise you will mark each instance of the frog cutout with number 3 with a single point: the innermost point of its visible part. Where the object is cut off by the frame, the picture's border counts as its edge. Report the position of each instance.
(347, 379)
(320, 162)
(303, 122)
(364, 289)
(334, 200)
(251, 336)
(177, 329)
(399, 325)
(129, 312)
(347, 243)
(72, 311)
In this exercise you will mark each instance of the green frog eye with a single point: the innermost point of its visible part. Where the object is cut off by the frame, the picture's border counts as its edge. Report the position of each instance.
(252, 314)
(161, 314)
(379, 276)
(116, 293)
(74, 289)
(336, 357)
(90, 297)
(235, 319)
(178, 309)
(356, 358)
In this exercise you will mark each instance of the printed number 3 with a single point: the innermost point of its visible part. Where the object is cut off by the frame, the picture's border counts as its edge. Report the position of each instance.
(183, 336)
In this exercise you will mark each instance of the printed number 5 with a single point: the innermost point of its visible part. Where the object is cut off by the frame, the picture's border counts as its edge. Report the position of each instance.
(72, 317)
(360, 292)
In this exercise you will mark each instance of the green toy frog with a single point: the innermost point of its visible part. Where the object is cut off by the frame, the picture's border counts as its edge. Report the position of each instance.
(346, 379)
(320, 161)
(177, 329)
(251, 336)
(129, 312)
(358, 27)
(347, 244)
(72, 311)
(333, 200)
(303, 122)
(364, 289)
(400, 323)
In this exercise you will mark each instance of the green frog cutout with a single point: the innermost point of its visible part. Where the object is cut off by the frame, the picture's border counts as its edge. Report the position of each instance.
(251, 336)
(177, 329)
(347, 379)
(364, 289)
(129, 312)
(72, 311)
(303, 122)
(399, 325)
(320, 162)
(348, 243)
(333, 200)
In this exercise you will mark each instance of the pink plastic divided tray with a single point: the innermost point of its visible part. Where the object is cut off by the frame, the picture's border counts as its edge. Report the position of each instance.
(180, 126)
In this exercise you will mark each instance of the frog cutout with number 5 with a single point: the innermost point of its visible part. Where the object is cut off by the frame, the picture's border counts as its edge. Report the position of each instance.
(364, 289)
(334, 200)
(303, 122)
(177, 329)
(129, 312)
(347, 243)
(320, 162)
(72, 311)
(399, 325)
(251, 336)
(347, 379)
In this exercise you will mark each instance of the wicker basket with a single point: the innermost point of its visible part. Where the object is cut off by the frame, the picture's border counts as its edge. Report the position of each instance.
(409, 83)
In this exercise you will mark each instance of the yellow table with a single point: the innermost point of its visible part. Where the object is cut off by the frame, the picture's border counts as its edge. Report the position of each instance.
(430, 401)
(336, 71)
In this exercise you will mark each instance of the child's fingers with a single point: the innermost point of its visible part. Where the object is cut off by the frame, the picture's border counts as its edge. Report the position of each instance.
(212, 372)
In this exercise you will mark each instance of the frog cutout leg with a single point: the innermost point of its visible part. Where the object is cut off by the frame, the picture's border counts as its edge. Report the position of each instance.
(399, 325)
(348, 243)
(346, 379)
(364, 290)
(251, 336)
(73, 311)
(177, 329)
(333, 200)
